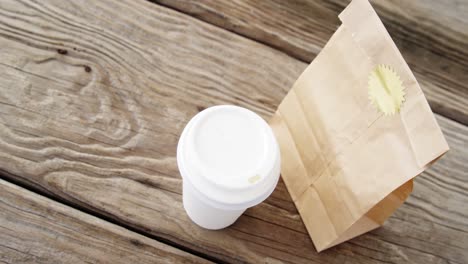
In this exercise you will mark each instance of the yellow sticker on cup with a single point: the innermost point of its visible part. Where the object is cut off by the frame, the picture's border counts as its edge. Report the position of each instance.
(386, 90)
(254, 179)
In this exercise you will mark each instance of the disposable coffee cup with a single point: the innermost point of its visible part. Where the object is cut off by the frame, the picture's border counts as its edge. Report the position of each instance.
(229, 161)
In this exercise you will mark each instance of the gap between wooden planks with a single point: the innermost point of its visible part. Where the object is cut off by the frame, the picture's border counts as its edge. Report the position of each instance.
(93, 98)
(35, 229)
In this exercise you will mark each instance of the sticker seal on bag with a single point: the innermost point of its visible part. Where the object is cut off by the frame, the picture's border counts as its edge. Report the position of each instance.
(386, 91)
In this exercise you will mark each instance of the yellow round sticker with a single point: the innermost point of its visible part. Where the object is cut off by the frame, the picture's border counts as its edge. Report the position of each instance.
(386, 90)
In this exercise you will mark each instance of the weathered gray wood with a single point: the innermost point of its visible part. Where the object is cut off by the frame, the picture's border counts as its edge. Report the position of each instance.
(93, 97)
(432, 36)
(35, 229)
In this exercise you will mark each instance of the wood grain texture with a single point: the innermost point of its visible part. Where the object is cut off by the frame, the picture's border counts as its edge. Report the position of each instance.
(431, 35)
(34, 229)
(93, 97)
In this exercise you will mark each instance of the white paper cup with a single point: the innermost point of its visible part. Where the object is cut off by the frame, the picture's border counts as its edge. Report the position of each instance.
(229, 161)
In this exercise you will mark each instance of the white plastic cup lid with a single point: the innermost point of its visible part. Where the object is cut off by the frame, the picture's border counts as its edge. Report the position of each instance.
(230, 156)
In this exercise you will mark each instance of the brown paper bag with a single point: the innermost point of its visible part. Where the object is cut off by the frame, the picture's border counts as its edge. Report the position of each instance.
(347, 166)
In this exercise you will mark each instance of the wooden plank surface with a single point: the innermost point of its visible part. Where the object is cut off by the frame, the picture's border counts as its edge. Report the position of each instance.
(34, 229)
(432, 36)
(92, 103)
